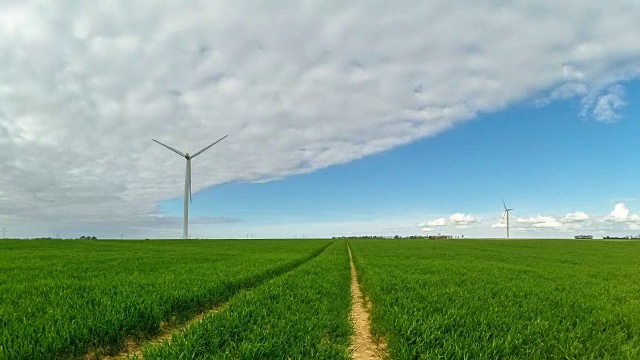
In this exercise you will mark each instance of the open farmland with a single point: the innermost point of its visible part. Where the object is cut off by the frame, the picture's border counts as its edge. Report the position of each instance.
(63, 299)
(503, 299)
(277, 299)
(303, 314)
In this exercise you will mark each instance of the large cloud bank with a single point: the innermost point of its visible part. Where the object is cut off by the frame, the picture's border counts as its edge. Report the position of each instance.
(84, 86)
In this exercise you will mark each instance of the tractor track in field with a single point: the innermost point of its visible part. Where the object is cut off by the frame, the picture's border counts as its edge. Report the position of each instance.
(133, 347)
(362, 345)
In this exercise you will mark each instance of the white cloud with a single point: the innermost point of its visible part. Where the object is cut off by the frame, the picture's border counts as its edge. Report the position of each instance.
(607, 105)
(426, 229)
(617, 222)
(540, 221)
(437, 222)
(84, 86)
(576, 217)
(462, 219)
(576, 221)
(459, 220)
(620, 213)
(620, 222)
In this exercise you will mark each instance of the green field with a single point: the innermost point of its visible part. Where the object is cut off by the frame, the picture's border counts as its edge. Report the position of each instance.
(503, 299)
(473, 299)
(303, 314)
(62, 299)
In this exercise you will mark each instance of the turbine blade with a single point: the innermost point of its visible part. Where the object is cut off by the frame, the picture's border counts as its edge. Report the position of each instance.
(170, 148)
(503, 204)
(504, 214)
(207, 148)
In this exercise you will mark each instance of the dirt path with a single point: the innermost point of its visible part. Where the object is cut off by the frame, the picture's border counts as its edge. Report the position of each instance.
(133, 348)
(362, 345)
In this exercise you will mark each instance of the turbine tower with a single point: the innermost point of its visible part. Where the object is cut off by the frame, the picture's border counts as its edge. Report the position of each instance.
(187, 181)
(506, 214)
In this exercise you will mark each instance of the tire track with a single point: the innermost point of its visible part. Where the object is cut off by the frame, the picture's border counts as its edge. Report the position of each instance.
(135, 348)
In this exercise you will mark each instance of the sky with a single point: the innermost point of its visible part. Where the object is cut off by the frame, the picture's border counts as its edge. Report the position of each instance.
(344, 118)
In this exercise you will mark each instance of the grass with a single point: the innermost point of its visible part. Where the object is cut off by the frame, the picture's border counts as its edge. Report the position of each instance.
(62, 299)
(464, 299)
(302, 314)
(498, 299)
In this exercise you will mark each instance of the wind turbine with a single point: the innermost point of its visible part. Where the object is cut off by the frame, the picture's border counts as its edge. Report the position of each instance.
(187, 181)
(506, 214)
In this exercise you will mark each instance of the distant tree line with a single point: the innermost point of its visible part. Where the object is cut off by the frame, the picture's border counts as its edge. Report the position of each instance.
(607, 237)
(400, 237)
(57, 238)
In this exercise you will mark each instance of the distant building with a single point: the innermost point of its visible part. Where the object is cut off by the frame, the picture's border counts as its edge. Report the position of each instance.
(583, 236)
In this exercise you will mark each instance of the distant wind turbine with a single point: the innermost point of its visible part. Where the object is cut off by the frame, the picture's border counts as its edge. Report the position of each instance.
(187, 181)
(506, 214)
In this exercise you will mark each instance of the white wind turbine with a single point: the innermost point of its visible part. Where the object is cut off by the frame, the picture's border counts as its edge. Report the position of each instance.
(506, 214)
(187, 181)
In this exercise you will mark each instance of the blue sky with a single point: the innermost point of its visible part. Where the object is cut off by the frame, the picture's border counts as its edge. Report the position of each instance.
(544, 160)
(375, 117)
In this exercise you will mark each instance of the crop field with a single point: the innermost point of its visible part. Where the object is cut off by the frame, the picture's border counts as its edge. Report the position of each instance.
(63, 299)
(303, 314)
(536, 299)
(281, 299)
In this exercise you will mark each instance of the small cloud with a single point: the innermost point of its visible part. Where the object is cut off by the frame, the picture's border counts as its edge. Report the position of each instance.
(437, 222)
(540, 222)
(564, 91)
(550, 224)
(426, 229)
(499, 225)
(460, 220)
(578, 216)
(620, 213)
(607, 106)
